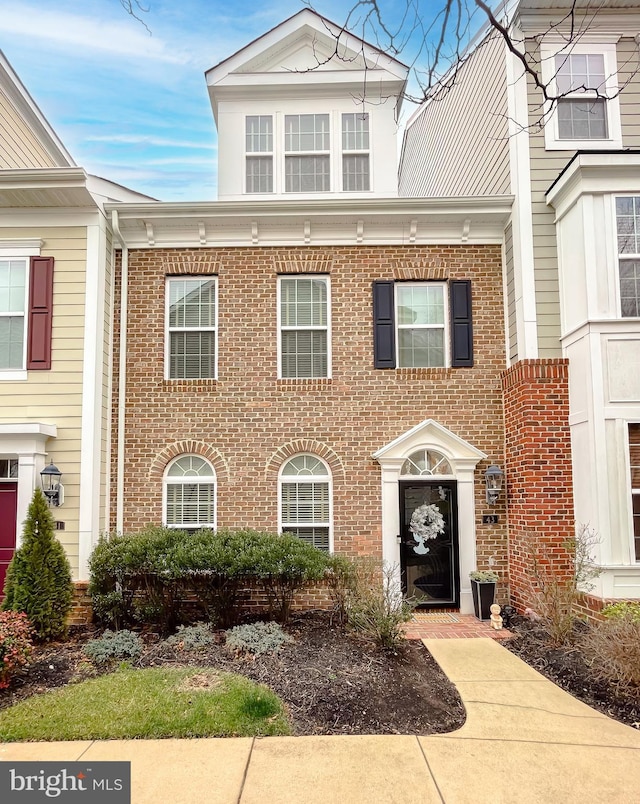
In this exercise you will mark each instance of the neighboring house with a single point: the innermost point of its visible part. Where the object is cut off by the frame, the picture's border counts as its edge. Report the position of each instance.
(311, 352)
(55, 295)
(571, 250)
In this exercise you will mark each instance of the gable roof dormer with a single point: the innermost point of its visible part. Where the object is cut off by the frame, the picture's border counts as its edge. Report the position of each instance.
(307, 67)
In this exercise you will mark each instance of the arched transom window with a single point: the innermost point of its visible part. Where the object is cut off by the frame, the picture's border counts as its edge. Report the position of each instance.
(425, 463)
(305, 500)
(189, 495)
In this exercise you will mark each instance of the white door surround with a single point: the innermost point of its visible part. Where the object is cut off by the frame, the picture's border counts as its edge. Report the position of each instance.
(463, 459)
(26, 442)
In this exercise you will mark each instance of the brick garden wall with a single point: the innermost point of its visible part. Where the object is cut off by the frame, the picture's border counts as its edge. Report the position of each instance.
(247, 422)
(538, 470)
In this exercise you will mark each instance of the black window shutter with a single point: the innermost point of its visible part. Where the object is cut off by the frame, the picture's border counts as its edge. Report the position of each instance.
(384, 346)
(461, 324)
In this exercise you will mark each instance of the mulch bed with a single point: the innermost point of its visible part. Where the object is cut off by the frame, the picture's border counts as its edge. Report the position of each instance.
(331, 681)
(571, 668)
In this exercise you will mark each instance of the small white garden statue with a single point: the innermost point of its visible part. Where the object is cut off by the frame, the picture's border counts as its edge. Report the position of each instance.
(496, 619)
(426, 523)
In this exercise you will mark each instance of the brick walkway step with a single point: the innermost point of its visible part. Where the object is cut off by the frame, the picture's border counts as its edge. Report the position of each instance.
(451, 625)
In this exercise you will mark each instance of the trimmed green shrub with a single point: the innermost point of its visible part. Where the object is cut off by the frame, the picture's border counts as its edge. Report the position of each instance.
(146, 576)
(112, 646)
(284, 564)
(257, 638)
(38, 580)
(15, 644)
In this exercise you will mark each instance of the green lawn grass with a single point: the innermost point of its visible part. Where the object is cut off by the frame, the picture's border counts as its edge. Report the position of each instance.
(150, 703)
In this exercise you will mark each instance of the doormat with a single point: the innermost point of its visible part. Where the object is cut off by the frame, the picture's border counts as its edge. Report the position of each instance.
(435, 617)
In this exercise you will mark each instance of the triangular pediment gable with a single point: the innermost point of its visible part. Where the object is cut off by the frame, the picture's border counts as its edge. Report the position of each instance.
(429, 434)
(24, 123)
(304, 42)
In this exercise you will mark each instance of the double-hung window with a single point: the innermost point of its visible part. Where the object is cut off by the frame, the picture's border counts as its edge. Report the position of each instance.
(304, 320)
(582, 112)
(26, 311)
(305, 500)
(191, 327)
(422, 324)
(13, 312)
(355, 152)
(584, 79)
(259, 153)
(628, 230)
(307, 145)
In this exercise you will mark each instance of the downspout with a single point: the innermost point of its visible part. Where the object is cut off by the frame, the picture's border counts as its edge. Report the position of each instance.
(122, 373)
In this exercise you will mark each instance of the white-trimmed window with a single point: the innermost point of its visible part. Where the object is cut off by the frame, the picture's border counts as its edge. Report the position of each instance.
(628, 235)
(355, 152)
(259, 153)
(14, 274)
(304, 324)
(191, 327)
(422, 324)
(634, 462)
(189, 493)
(307, 148)
(305, 500)
(587, 115)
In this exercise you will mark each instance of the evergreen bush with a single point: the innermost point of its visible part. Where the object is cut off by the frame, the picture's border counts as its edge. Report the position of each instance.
(38, 580)
(191, 637)
(119, 645)
(257, 638)
(145, 577)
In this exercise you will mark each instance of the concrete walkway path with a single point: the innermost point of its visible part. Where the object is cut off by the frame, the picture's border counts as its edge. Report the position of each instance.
(524, 741)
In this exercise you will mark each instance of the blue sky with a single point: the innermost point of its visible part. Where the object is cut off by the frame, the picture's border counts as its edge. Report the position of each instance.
(130, 106)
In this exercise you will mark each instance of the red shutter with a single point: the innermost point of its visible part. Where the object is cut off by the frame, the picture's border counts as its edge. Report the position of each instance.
(40, 313)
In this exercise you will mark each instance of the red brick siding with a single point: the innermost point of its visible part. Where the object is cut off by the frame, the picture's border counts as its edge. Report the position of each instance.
(248, 421)
(538, 468)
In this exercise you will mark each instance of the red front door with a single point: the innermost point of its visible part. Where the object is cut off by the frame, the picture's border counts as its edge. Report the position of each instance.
(8, 513)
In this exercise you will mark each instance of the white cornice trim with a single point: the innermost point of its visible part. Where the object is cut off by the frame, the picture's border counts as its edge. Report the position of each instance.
(595, 174)
(392, 221)
(29, 428)
(25, 178)
(272, 208)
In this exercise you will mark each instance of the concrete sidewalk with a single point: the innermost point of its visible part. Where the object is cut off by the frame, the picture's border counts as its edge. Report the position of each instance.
(525, 740)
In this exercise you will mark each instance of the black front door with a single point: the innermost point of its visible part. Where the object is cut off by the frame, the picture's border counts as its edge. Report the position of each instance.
(430, 570)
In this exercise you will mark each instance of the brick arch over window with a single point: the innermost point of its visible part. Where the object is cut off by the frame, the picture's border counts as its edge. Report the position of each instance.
(303, 263)
(307, 446)
(421, 270)
(188, 447)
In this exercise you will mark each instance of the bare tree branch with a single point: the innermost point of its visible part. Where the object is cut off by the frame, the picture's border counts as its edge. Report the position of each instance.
(134, 8)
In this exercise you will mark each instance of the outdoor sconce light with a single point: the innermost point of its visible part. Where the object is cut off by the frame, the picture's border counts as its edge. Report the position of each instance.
(51, 485)
(493, 477)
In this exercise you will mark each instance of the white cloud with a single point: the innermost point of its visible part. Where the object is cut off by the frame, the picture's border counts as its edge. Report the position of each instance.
(143, 139)
(66, 29)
